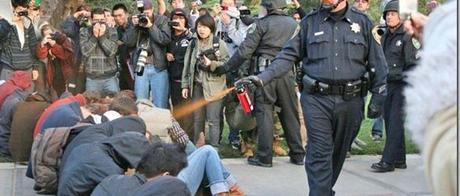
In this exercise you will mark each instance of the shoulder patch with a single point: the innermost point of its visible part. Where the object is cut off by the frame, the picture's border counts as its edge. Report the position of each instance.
(376, 36)
(416, 43)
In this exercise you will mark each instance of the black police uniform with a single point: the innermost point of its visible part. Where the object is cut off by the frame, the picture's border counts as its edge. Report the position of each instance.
(334, 51)
(400, 54)
(264, 40)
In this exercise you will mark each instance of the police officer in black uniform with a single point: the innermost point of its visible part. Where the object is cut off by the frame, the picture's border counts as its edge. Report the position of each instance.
(264, 40)
(337, 50)
(401, 55)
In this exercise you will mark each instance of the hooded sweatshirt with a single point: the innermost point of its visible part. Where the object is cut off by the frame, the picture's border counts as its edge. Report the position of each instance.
(18, 80)
(103, 131)
(88, 164)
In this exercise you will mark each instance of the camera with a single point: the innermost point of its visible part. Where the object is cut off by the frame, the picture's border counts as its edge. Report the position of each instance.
(210, 54)
(141, 61)
(143, 19)
(173, 23)
(23, 13)
(84, 21)
(55, 36)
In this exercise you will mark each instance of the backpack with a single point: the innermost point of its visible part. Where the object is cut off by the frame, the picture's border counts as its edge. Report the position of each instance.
(47, 150)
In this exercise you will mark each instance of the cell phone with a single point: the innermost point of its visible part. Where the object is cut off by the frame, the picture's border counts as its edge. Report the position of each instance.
(173, 23)
(406, 8)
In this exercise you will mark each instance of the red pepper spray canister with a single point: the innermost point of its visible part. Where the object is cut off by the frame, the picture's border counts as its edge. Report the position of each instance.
(243, 97)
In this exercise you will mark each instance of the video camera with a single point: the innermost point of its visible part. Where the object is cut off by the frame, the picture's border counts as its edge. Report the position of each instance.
(210, 54)
(143, 18)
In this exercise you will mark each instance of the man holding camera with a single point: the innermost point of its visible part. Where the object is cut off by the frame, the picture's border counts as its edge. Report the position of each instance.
(150, 36)
(71, 27)
(99, 47)
(17, 44)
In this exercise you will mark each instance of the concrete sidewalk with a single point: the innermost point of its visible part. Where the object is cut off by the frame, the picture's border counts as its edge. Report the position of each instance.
(283, 179)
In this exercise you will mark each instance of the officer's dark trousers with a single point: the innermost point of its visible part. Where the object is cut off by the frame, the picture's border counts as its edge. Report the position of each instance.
(280, 92)
(331, 123)
(395, 148)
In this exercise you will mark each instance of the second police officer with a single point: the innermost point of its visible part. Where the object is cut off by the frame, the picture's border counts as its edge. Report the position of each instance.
(401, 55)
(336, 47)
(264, 40)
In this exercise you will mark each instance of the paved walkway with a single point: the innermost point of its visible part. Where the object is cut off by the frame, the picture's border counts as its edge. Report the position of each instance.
(283, 179)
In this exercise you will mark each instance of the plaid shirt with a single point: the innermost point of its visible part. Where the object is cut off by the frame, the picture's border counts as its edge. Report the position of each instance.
(99, 53)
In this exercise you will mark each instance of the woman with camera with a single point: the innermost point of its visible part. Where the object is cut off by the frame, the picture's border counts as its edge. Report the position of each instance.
(56, 51)
(206, 52)
(181, 36)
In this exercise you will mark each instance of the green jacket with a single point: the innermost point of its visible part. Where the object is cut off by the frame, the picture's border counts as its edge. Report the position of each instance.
(212, 84)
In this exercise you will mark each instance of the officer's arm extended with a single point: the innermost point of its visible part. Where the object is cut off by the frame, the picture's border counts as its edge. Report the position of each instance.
(291, 53)
(246, 49)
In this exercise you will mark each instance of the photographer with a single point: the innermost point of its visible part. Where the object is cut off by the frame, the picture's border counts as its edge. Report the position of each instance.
(203, 55)
(56, 51)
(181, 37)
(71, 27)
(98, 47)
(150, 36)
(17, 44)
(122, 23)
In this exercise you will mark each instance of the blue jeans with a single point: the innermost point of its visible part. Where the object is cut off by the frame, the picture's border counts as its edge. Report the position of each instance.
(109, 84)
(155, 80)
(205, 161)
(378, 126)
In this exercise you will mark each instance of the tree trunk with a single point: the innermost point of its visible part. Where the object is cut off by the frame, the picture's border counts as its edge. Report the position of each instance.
(55, 11)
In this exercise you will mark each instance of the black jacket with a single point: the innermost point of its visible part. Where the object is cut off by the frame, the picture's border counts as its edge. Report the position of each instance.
(88, 164)
(178, 47)
(400, 53)
(158, 36)
(119, 185)
(103, 131)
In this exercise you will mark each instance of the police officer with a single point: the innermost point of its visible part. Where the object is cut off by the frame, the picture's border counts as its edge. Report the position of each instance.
(264, 40)
(401, 54)
(337, 49)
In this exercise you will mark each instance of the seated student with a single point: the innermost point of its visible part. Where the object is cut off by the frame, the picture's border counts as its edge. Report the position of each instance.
(103, 131)
(88, 164)
(159, 160)
(164, 185)
(70, 108)
(120, 106)
(163, 158)
(11, 93)
(19, 80)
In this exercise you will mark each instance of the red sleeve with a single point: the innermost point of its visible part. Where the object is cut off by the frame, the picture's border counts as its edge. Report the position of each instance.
(63, 51)
(42, 51)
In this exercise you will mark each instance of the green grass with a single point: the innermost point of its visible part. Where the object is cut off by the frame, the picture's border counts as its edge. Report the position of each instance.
(372, 147)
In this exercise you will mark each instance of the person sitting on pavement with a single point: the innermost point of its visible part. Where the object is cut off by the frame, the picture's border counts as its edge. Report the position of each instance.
(88, 164)
(11, 93)
(168, 159)
(164, 185)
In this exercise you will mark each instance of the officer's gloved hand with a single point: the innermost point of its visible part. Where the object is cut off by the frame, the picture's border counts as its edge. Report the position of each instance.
(375, 107)
(221, 70)
(250, 80)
